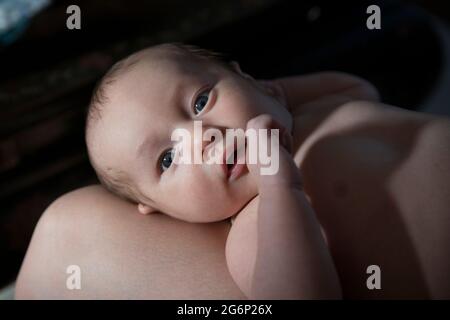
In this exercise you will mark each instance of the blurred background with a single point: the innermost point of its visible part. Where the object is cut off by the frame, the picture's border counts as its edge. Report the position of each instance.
(47, 73)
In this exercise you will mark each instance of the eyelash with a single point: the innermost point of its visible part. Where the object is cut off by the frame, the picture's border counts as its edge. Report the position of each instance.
(161, 158)
(202, 92)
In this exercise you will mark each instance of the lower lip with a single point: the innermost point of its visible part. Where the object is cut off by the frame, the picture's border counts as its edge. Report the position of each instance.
(236, 171)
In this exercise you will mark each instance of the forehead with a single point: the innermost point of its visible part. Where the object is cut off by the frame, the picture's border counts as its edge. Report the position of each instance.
(158, 74)
(166, 63)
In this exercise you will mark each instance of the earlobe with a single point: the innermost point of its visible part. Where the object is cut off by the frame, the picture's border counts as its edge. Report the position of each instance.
(144, 209)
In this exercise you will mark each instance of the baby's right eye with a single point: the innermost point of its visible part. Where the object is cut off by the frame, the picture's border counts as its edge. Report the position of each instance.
(166, 159)
(201, 101)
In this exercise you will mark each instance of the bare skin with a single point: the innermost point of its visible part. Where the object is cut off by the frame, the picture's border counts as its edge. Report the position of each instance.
(386, 222)
(123, 254)
(376, 177)
(382, 197)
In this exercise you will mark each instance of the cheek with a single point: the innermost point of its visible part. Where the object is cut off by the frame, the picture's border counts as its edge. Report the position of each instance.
(195, 196)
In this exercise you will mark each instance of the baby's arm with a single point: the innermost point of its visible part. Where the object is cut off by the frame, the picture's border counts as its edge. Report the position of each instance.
(285, 256)
(322, 89)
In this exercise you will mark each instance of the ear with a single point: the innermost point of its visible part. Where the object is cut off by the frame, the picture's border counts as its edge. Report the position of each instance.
(145, 209)
(237, 68)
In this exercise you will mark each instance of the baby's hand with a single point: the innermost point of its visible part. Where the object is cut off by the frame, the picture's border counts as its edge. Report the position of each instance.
(287, 174)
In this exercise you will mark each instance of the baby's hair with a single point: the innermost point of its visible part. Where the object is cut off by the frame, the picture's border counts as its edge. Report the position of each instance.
(116, 181)
(205, 54)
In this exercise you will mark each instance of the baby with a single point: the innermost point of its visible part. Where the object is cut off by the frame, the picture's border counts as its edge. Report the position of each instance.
(373, 190)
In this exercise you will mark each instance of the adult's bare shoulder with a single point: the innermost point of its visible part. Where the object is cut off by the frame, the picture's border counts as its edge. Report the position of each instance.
(123, 254)
(60, 232)
(89, 197)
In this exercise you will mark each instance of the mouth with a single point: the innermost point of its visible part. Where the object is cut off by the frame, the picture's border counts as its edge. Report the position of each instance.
(232, 166)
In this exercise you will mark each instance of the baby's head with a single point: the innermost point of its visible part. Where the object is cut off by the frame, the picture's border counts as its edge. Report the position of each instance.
(142, 100)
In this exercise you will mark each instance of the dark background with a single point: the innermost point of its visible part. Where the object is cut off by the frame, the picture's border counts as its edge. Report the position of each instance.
(47, 75)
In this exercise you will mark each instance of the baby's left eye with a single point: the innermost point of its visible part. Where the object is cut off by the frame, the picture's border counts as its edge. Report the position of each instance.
(200, 102)
(166, 159)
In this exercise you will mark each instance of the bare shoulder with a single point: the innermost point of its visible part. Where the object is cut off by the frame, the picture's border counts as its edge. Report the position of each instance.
(89, 197)
(123, 254)
(78, 209)
(65, 226)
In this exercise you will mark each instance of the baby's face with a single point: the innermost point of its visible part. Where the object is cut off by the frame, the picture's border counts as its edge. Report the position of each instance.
(161, 93)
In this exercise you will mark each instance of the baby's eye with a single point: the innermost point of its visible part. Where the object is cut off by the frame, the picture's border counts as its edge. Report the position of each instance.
(166, 159)
(201, 101)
